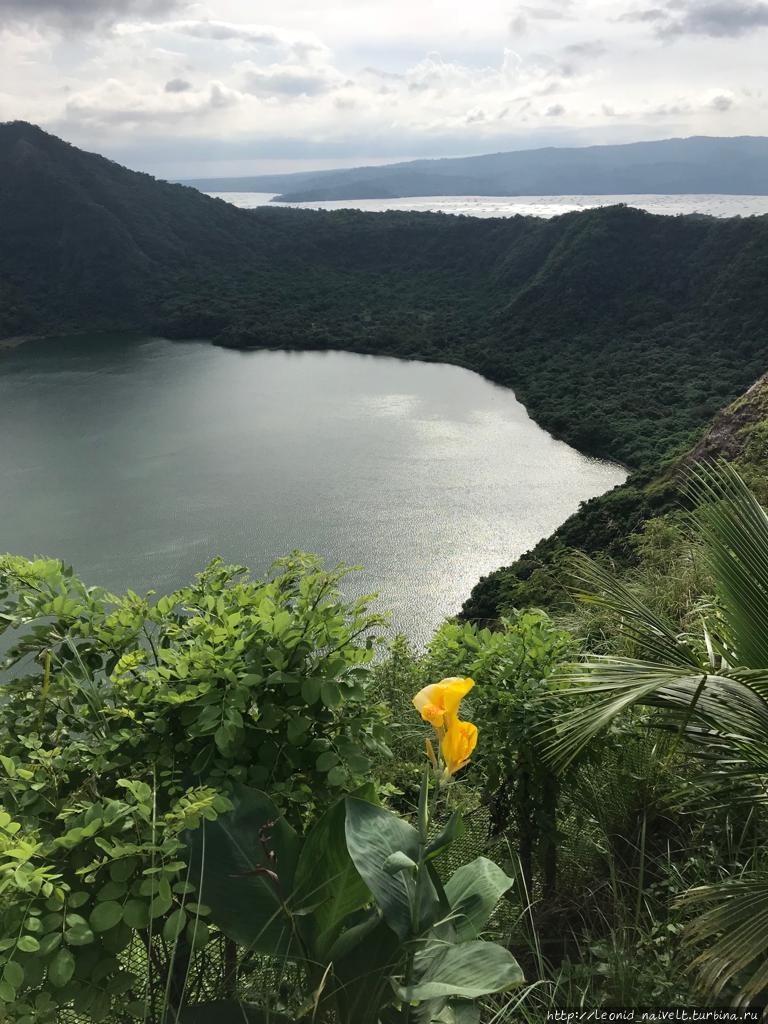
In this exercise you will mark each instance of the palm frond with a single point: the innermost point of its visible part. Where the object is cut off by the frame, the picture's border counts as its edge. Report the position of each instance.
(629, 682)
(656, 637)
(734, 528)
(735, 927)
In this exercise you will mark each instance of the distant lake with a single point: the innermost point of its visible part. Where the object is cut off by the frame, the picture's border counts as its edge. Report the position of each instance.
(530, 206)
(139, 460)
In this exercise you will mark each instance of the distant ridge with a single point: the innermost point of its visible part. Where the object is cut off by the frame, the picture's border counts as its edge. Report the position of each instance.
(698, 165)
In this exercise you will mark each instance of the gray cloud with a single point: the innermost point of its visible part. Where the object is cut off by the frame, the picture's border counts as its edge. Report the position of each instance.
(650, 15)
(556, 110)
(81, 13)
(721, 103)
(288, 80)
(719, 18)
(558, 10)
(178, 85)
(589, 48)
(223, 31)
(727, 18)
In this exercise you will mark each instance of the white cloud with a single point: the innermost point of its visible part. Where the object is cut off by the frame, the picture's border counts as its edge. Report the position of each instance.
(116, 103)
(289, 80)
(365, 79)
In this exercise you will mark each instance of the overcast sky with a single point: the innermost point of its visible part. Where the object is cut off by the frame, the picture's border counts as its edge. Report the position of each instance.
(235, 86)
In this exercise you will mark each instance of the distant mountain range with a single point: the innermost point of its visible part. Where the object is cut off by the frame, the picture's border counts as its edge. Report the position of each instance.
(699, 165)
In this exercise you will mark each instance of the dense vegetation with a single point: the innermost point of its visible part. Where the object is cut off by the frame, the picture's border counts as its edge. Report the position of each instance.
(216, 805)
(614, 525)
(621, 331)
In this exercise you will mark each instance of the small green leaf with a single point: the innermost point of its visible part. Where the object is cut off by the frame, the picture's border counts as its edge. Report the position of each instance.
(337, 776)
(174, 926)
(61, 968)
(28, 944)
(13, 973)
(105, 916)
(136, 914)
(79, 935)
(49, 943)
(327, 760)
(310, 690)
(330, 694)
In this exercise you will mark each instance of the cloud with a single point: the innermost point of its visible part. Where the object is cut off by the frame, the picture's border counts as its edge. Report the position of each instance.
(556, 110)
(718, 100)
(303, 47)
(652, 14)
(118, 103)
(560, 10)
(291, 80)
(589, 48)
(721, 102)
(718, 19)
(81, 13)
(178, 85)
(727, 18)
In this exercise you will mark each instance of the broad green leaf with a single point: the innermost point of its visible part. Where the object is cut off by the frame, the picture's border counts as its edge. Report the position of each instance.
(461, 1011)
(473, 891)
(453, 829)
(468, 970)
(327, 882)
(243, 865)
(364, 958)
(373, 835)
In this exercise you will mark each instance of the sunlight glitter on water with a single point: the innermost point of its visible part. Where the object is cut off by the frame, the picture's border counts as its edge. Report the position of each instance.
(530, 206)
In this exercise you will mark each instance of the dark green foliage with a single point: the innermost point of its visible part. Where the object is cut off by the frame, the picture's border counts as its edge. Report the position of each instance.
(124, 723)
(621, 331)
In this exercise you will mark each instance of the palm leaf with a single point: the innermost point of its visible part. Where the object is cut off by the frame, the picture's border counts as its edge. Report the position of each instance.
(735, 926)
(734, 528)
(655, 636)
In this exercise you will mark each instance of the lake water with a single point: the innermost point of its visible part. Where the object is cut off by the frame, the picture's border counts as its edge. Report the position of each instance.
(139, 460)
(531, 206)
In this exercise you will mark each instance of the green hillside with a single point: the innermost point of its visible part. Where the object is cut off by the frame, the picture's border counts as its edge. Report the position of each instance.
(612, 525)
(621, 331)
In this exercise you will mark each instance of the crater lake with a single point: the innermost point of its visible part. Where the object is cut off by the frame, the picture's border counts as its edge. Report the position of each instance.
(138, 460)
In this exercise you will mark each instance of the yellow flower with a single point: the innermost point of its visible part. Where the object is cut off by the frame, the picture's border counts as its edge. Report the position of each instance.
(438, 703)
(458, 743)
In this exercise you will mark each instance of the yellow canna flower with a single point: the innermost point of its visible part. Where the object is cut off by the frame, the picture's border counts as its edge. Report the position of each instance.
(438, 703)
(458, 743)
